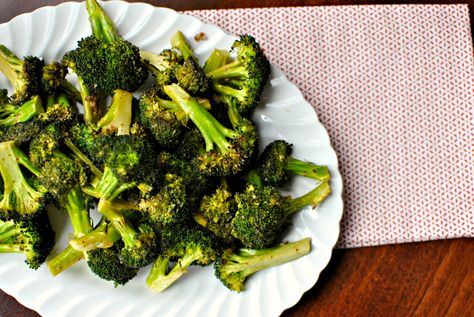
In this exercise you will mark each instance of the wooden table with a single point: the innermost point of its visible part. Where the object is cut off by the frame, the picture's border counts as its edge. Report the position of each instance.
(417, 279)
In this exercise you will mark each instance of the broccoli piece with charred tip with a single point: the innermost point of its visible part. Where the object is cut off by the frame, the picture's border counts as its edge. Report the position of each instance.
(169, 205)
(243, 79)
(24, 75)
(216, 213)
(162, 65)
(19, 199)
(45, 144)
(234, 267)
(107, 264)
(276, 162)
(227, 151)
(191, 77)
(32, 237)
(185, 245)
(54, 81)
(262, 213)
(140, 246)
(11, 115)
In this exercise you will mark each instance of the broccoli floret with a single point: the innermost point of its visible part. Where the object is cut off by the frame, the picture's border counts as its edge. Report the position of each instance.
(19, 198)
(169, 205)
(185, 245)
(32, 237)
(227, 151)
(140, 246)
(162, 123)
(45, 144)
(262, 213)
(162, 66)
(54, 80)
(60, 111)
(233, 268)
(107, 264)
(276, 161)
(24, 75)
(216, 213)
(11, 115)
(21, 132)
(243, 79)
(103, 63)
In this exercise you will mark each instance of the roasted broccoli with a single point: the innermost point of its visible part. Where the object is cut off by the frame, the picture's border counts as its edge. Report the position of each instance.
(227, 151)
(11, 114)
(276, 161)
(33, 237)
(24, 75)
(243, 79)
(234, 267)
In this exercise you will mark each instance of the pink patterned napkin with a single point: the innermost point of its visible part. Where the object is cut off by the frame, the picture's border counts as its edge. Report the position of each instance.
(393, 85)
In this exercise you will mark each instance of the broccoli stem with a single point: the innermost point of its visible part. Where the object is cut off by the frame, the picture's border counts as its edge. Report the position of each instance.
(81, 156)
(108, 183)
(12, 248)
(71, 91)
(230, 70)
(313, 198)
(68, 257)
(8, 231)
(159, 279)
(217, 59)
(103, 236)
(101, 25)
(119, 116)
(25, 112)
(115, 215)
(213, 132)
(11, 66)
(228, 91)
(308, 169)
(179, 42)
(78, 212)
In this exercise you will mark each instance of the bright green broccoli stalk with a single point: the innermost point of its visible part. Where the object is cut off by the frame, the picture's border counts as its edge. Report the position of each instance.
(262, 213)
(32, 237)
(19, 198)
(24, 75)
(11, 115)
(217, 59)
(118, 118)
(185, 245)
(227, 151)
(233, 268)
(243, 79)
(276, 161)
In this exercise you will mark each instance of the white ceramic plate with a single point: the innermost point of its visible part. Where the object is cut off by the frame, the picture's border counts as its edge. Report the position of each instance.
(283, 114)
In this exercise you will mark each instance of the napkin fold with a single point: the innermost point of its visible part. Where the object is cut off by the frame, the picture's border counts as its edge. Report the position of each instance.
(393, 85)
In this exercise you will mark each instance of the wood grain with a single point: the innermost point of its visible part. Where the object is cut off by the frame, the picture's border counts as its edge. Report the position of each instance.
(417, 279)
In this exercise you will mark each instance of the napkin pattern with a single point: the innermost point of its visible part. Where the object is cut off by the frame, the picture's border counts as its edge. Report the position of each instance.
(393, 85)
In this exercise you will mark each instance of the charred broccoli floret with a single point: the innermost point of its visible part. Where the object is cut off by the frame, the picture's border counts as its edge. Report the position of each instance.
(243, 79)
(262, 213)
(227, 151)
(276, 161)
(32, 237)
(234, 267)
(185, 245)
(24, 75)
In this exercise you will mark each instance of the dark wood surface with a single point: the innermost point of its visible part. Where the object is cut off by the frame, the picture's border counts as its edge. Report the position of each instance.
(417, 279)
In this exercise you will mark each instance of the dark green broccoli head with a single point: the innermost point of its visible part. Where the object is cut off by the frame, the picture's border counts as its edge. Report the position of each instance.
(162, 66)
(60, 114)
(143, 249)
(4, 99)
(191, 144)
(105, 67)
(243, 79)
(237, 155)
(32, 237)
(162, 124)
(59, 175)
(259, 217)
(84, 136)
(216, 213)
(53, 76)
(169, 205)
(43, 145)
(106, 264)
(191, 77)
(272, 163)
(21, 132)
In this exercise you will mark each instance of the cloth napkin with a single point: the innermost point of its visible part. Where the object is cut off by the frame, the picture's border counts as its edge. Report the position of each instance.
(393, 85)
